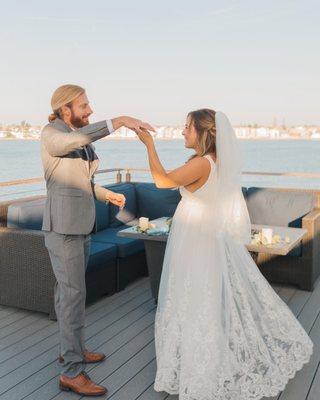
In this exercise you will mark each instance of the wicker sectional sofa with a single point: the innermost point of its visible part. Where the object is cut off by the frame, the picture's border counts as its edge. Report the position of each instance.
(26, 276)
(27, 280)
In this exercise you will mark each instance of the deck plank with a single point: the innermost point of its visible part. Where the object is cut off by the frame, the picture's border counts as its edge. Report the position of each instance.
(15, 316)
(122, 326)
(17, 325)
(151, 394)
(306, 307)
(286, 293)
(42, 369)
(118, 348)
(31, 348)
(139, 382)
(298, 388)
(122, 364)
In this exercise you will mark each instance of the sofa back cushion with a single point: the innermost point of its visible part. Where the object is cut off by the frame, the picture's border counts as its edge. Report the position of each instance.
(129, 213)
(244, 192)
(102, 215)
(26, 214)
(277, 207)
(155, 203)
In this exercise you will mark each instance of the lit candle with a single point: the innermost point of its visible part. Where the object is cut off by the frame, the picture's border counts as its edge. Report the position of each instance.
(144, 223)
(267, 233)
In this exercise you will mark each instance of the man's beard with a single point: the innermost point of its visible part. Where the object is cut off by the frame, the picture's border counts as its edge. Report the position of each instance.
(78, 122)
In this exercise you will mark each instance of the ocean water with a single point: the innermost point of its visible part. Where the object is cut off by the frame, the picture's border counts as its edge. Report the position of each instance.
(20, 159)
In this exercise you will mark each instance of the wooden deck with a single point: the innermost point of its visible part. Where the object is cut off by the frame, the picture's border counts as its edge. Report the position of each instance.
(122, 326)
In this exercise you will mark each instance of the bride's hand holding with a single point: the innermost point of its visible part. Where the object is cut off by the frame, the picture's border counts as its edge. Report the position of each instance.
(145, 136)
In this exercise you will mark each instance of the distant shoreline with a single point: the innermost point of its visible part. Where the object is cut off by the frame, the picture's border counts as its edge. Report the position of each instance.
(168, 140)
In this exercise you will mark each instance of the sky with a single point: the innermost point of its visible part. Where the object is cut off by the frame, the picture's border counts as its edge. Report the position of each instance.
(157, 60)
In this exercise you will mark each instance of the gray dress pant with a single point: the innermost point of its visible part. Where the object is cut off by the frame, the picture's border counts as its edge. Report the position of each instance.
(69, 255)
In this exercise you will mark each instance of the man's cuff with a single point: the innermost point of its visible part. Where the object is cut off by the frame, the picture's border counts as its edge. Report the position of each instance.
(110, 126)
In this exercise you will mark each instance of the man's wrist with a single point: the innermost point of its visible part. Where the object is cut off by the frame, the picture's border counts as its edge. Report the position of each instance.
(118, 122)
(110, 126)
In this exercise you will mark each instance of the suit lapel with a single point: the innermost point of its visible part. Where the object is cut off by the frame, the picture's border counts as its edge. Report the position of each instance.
(61, 125)
(94, 160)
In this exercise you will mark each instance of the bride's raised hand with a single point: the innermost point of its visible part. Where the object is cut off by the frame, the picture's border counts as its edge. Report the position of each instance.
(145, 136)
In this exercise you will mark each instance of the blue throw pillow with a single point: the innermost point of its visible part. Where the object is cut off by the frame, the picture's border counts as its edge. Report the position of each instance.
(244, 192)
(155, 203)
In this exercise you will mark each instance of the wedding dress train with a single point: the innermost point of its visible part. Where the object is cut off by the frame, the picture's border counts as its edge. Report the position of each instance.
(221, 332)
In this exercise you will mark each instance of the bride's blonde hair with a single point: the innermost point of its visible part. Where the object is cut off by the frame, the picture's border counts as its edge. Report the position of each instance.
(204, 121)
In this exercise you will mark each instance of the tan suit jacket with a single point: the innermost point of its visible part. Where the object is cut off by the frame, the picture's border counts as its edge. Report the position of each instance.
(70, 206)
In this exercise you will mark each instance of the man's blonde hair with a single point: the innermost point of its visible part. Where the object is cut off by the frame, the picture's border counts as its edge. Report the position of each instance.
(62, 96)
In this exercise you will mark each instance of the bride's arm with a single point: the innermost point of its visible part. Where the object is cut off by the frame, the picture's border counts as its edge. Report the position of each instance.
(182, 176)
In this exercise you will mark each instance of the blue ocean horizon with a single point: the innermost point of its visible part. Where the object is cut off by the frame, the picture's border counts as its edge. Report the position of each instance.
(20, 159)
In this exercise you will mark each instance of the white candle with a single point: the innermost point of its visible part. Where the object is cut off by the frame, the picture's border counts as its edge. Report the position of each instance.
(267, 233)
(143, 223)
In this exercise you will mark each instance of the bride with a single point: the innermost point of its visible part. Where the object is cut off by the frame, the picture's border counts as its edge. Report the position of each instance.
(221, 332)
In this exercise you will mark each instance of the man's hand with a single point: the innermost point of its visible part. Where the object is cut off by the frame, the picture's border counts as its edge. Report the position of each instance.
(132, 123)
(117, 199)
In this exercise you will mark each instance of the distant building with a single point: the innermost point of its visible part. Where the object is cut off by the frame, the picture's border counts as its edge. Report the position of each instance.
(262, 132)
(26, 131)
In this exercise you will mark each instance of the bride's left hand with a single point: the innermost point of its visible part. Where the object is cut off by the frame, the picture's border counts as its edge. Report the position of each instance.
(145, 136)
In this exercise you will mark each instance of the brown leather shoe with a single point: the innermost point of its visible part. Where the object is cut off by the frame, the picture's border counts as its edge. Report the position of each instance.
(89, 357)
(82, 385)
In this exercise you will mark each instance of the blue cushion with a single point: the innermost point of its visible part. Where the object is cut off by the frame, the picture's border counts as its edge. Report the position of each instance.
(126, 246)
(26, 214)
(101, 254)
(102, 215)
(296, 251)
(129, 212)
(244, 191)
(155, 203)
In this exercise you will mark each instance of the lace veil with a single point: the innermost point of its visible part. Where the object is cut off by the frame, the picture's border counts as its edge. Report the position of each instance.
(229, 209)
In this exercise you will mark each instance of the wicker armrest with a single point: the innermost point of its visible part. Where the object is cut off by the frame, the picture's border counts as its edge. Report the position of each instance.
(311, 242)
(26, 276)
(21, 232)
(312, 216)
(311, 222)
(4, 205)
(16, 243)
(3, 214)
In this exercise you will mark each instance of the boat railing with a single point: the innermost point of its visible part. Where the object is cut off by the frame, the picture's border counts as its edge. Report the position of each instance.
(303, 181)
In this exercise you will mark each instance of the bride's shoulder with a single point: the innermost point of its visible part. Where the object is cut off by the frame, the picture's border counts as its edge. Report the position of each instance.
(199, 163)
(211, 156)
(197, 160)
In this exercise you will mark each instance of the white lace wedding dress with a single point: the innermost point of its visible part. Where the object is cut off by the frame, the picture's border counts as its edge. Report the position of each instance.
(221, 331)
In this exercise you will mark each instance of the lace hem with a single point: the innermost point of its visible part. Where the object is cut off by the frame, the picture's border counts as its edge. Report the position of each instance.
(274, 388)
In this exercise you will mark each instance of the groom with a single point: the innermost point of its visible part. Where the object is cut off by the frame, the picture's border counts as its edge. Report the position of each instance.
(69, 163)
